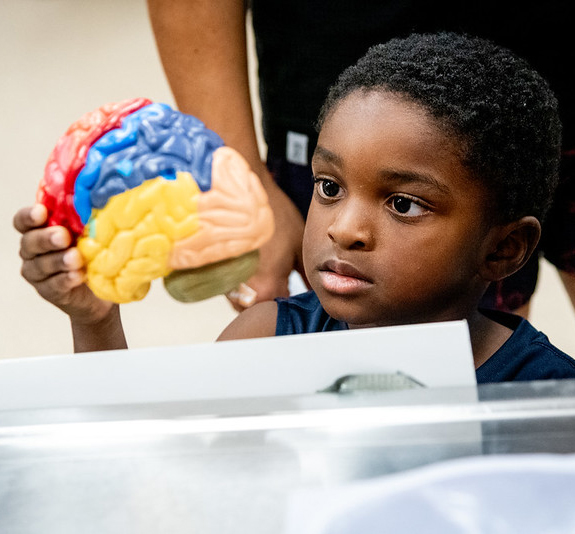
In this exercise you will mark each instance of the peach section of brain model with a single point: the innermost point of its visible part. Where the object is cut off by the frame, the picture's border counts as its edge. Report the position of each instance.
(149, 192)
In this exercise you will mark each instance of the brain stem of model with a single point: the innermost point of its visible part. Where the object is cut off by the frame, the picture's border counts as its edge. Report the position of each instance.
(149, 192)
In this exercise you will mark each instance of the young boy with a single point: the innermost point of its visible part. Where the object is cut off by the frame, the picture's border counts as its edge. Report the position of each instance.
(436, 161)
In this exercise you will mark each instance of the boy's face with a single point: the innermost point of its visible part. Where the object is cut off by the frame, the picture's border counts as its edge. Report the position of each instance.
(395, 225)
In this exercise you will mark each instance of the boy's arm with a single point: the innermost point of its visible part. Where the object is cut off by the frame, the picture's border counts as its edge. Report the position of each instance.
(56, 271)
(202, 45)
(105, 334)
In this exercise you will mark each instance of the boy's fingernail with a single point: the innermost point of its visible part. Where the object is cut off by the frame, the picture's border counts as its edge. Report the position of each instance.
(72, 259)
(37, 213)
(58, 239)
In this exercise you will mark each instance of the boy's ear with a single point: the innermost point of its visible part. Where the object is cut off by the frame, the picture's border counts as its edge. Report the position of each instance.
(509, 246)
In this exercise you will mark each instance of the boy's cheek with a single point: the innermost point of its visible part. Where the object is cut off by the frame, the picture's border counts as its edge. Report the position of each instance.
(310, 246)
(309, 236)
(306, 256)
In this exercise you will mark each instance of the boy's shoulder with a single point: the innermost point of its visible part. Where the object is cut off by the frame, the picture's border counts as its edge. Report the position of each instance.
(303, 314)
(526, 355)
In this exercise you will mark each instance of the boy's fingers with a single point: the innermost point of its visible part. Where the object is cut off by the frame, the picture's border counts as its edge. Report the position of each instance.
(43, 240)
(42, 267)
(30, 217)
(56, 289)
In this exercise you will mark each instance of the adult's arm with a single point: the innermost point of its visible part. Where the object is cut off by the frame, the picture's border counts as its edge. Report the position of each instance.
(202, 46)
(568, 280)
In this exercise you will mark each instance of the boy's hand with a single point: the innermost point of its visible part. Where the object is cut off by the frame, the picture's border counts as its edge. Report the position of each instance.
(55, 269)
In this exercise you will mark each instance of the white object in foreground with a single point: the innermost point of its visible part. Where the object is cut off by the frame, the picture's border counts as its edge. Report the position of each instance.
(435, 354)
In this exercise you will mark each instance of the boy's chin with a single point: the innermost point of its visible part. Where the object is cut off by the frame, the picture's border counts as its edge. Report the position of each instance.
(355, 318)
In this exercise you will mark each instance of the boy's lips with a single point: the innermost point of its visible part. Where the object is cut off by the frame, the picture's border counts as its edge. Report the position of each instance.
(341, 277)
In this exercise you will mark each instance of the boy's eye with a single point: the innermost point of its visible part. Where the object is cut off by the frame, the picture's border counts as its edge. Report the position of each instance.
(327, 188)
(408, 207)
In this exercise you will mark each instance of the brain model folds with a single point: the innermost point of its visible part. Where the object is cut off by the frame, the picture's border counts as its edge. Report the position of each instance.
(149, 192)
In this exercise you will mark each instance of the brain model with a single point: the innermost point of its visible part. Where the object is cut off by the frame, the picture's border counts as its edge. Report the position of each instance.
(149, 192)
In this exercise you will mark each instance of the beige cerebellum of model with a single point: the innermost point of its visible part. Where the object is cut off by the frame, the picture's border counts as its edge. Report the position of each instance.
(149, 192)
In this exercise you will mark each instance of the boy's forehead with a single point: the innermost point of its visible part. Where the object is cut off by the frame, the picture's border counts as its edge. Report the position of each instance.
(379, 110)
(388, 123)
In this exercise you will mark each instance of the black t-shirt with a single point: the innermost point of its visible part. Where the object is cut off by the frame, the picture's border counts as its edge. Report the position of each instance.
(303, 45)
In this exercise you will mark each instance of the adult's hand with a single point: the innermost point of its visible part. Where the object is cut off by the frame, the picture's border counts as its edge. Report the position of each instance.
(278, 257)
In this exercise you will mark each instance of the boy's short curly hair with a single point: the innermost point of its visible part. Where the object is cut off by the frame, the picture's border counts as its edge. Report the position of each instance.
(501, 110)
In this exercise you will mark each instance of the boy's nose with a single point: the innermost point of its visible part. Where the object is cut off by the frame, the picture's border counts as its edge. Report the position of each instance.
(351, 227)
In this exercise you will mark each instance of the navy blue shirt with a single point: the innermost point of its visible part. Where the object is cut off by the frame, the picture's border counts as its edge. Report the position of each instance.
(526, 355)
